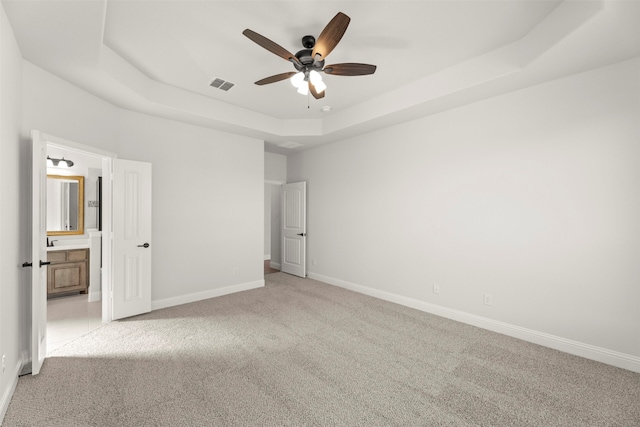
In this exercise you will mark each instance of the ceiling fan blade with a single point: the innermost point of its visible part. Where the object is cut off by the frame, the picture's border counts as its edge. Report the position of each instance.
(315, 94)
(270, 46)
(350, 69)
(276, 78)
(331, 35)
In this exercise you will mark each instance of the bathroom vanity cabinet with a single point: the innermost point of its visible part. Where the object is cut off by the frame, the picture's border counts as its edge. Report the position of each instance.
(68, 271)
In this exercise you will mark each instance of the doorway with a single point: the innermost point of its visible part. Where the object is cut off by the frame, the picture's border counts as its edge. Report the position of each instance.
(74, 314)
(272, 226)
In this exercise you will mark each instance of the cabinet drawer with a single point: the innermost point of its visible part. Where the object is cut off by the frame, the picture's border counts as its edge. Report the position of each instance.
(57, 256)
(77, 255)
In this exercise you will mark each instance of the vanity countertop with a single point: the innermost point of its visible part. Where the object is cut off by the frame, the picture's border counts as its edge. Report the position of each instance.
(66, 247)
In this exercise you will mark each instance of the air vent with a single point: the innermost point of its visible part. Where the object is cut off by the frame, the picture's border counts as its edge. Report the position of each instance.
(216, 83)
(221, 84)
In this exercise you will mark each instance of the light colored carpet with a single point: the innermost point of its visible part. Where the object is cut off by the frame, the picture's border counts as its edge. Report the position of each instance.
(303, 353)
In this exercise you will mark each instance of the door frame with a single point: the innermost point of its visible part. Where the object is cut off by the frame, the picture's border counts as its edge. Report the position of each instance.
(107, 211)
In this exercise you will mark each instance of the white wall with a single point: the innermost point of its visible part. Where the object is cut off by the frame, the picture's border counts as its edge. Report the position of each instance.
(208, 204)
(14, 220)
(58, 108)
(275, 168)
(531, 197)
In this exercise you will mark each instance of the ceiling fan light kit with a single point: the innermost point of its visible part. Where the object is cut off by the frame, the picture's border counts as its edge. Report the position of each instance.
(297, 79)
(303, 89)
(309, 62)
(302, 79)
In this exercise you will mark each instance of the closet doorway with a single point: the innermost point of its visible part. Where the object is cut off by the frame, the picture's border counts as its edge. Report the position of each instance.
(272, 226)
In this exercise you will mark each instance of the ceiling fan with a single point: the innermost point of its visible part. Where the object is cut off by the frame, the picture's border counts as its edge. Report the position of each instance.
(309, 62)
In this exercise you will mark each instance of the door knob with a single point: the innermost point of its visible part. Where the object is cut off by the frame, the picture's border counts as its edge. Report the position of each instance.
(27, 264)
(44, 263)
(146, 245)
(302, 234)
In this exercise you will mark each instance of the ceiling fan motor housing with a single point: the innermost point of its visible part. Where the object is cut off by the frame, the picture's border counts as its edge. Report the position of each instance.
(308, 42)
(307, 62)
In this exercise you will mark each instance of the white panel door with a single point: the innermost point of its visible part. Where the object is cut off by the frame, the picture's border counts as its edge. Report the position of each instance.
(38, 252)
(294, 228)
(131, 238)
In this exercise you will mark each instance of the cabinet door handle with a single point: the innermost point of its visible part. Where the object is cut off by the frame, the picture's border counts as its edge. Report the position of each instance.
(27, 264)
(146, 245)
(44, 263)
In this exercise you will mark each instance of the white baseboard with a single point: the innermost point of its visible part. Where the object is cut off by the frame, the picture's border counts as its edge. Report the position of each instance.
(275, 265)
(7, 394)
(588, 351)
(267, 257)
(95, 296)
(199, 296)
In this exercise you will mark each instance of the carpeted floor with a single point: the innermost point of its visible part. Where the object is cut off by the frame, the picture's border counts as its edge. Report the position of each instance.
(303, 353)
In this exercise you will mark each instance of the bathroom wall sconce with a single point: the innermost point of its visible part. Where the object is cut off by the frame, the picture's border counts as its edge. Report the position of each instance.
(59, 162)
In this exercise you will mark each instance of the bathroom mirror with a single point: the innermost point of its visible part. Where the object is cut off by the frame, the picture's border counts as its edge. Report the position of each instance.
(65, 205)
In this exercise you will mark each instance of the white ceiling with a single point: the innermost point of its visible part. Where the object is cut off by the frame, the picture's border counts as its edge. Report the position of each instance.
(159, 57)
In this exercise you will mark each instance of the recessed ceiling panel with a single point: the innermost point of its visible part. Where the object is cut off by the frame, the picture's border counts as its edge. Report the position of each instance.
(183, 44)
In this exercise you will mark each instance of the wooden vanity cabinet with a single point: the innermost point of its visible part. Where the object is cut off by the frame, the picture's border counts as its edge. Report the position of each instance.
(68, 271)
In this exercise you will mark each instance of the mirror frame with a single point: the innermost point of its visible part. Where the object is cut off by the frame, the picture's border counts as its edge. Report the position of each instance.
(80, 230)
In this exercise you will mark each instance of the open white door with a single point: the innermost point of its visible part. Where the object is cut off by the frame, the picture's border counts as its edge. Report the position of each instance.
(294, 229)
(131, 238)
(38, 253)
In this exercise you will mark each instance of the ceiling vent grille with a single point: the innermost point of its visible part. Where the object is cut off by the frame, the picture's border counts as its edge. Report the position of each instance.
(221, 84)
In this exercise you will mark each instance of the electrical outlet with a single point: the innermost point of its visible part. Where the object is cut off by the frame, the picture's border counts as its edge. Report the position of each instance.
(3, 364)
(436, 288)
(236, 270)
(488, 299)
(314, 262)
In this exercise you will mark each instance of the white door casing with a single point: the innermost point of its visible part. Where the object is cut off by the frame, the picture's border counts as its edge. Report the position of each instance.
(132, 247)
(38, 252)
(294, 228)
